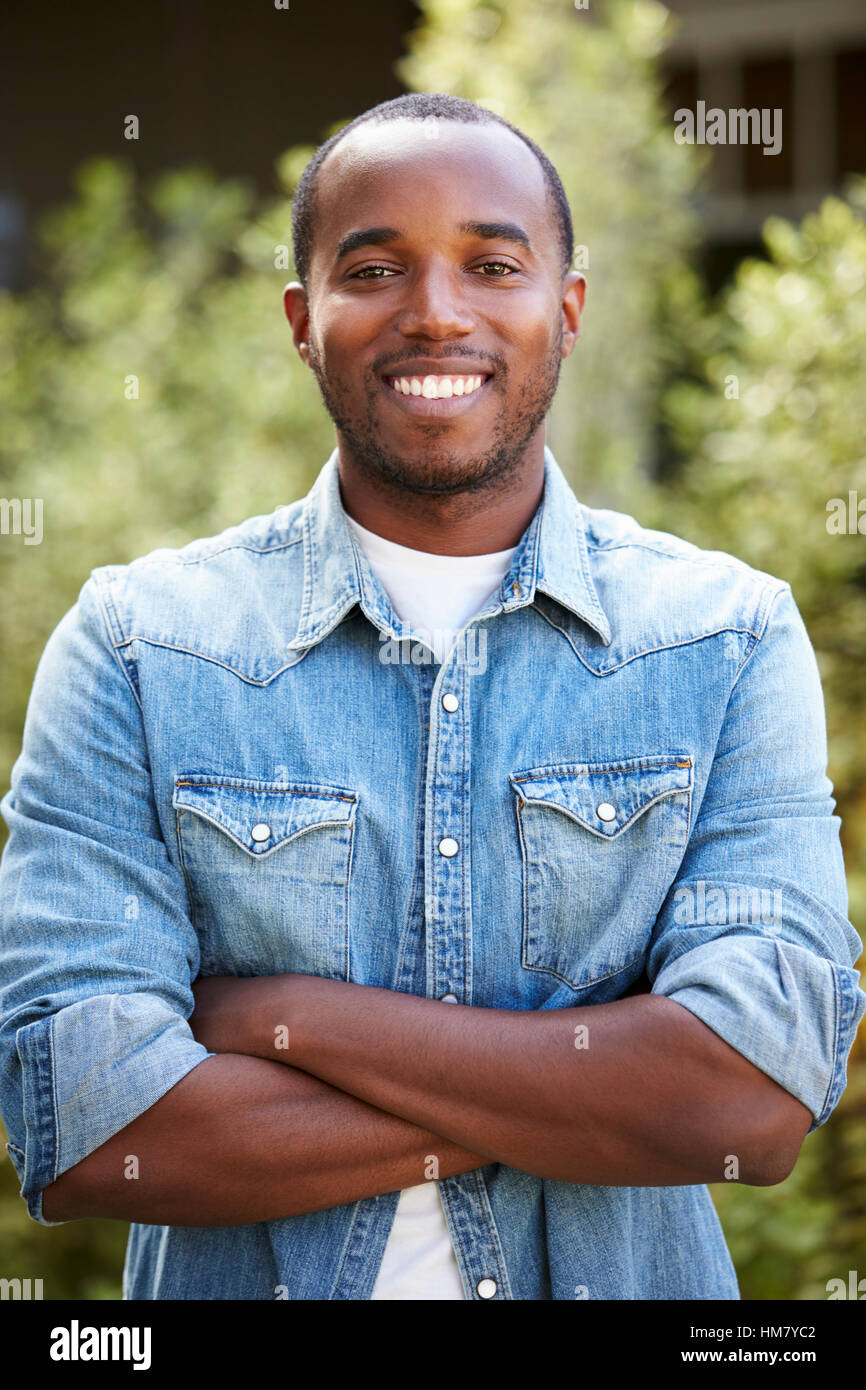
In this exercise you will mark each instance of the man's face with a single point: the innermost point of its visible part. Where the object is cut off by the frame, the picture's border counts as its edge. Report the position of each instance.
(436, 262)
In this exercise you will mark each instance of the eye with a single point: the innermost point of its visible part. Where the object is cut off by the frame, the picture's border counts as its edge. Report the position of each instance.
(499, 267)
(371, 272)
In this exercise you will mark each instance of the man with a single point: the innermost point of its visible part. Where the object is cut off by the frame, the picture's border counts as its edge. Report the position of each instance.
(424, 891)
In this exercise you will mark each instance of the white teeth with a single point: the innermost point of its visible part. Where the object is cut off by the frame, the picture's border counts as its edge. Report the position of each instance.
(437, 387)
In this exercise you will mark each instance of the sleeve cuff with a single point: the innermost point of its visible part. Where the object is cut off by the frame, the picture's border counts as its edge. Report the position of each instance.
(89, 1071)
(790, 1012)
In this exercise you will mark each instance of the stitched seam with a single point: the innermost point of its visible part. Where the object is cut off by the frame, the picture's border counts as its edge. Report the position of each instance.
(598, 771)
(583, 556)
(326, 622)
(770, 604)
(418, 886)
(111, 620)
(837, 996)
(605, 548)
(277, 791)
(347, 955)
(204, 656)
(149, 561)
(465, 867)
(483, 1199)
(572, 984)
(49, 1061)
(309, 569)
(265, 854)
(525, 876)
(186, 878)
(350, 1234)
(649, 651)
(456, 1229)
(429, 820)
(572, 815)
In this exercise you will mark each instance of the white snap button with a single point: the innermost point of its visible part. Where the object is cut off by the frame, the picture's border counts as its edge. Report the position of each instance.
(450, 702)
(261, 832)
(486, 1288)
(605, 811)
(449, 999)
(448, 847)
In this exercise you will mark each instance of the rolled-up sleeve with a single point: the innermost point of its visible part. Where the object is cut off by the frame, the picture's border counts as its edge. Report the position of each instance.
(754, 936)
(97, 952)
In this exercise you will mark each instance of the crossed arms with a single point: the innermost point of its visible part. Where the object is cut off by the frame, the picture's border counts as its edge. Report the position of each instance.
(373, 1083)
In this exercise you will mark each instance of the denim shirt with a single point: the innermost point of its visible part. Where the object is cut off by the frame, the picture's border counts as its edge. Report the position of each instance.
(237, 761)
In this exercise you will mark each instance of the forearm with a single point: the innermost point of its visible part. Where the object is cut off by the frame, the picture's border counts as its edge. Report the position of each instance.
(241, 1139)
(654, 1098)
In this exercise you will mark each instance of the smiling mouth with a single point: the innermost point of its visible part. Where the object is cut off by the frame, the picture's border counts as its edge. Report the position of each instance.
(437, 388)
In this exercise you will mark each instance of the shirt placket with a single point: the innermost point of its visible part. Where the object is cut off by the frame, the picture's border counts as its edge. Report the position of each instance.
(448, 921)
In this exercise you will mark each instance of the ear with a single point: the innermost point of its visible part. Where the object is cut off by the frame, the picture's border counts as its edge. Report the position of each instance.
(573, 295)
(297, 312)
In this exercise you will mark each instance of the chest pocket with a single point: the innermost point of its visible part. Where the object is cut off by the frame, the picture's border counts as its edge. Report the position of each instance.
(601, 844)
(267, 867)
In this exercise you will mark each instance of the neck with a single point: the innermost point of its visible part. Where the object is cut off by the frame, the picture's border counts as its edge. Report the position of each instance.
(473, 522)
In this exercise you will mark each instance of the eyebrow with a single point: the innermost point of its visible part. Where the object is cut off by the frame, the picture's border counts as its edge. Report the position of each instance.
(380, 236)
(366, 236)
(497, 231)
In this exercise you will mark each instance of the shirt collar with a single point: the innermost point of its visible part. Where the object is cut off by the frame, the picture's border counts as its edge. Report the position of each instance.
(552, 556)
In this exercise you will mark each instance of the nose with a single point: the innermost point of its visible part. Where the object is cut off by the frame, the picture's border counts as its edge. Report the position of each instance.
(435, 304)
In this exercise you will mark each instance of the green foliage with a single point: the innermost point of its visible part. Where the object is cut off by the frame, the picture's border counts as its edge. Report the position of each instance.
(78, 1259)
(771, 427)
(788, 1241)
(173, 295)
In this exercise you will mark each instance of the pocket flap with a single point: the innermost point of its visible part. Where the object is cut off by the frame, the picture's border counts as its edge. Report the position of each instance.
(605, 797)
(260, 816)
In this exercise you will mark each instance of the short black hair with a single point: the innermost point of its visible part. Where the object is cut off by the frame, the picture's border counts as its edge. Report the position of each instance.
(418, 106)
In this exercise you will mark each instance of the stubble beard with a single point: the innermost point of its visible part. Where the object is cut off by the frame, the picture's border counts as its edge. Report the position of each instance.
(438, 471)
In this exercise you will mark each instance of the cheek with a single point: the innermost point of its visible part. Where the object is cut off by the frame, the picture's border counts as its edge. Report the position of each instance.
(348, 324)
(333, 365)
(340, 353)
(530, 334)
(539, 358)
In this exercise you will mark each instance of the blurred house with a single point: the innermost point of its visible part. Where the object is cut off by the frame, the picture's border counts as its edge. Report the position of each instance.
(212, 82)
(806, 58)
(232, 86)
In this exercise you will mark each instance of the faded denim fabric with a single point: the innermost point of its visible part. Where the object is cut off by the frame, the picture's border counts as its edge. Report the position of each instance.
(236, 761)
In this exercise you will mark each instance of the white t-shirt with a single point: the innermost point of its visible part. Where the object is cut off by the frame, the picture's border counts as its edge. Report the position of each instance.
(436, 595)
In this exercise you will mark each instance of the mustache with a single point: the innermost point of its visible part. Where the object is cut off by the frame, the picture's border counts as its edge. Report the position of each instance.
(492, 362)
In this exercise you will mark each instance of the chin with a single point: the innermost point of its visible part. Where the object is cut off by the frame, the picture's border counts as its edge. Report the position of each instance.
(424, 471)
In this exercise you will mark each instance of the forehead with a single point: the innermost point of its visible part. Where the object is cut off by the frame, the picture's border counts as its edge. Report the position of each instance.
(423, 176)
